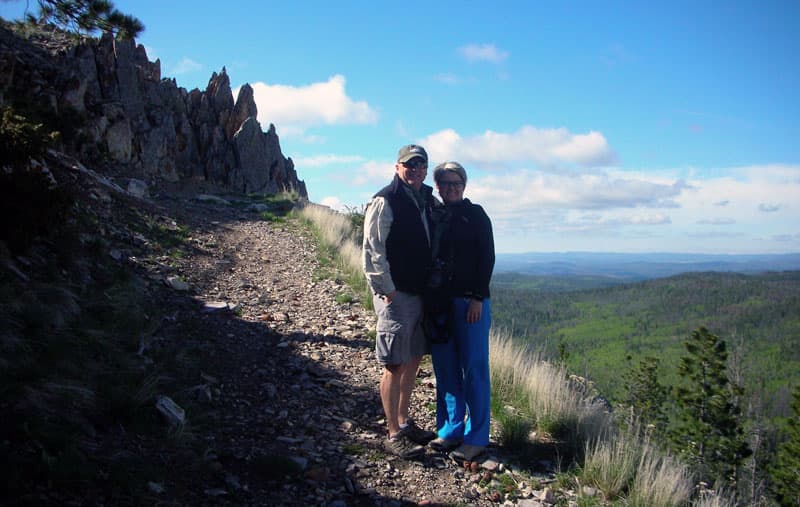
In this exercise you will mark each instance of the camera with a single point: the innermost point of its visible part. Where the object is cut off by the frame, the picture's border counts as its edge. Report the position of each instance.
(439, 275)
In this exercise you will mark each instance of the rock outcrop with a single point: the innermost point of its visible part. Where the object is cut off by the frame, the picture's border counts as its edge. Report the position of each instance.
(118, 115)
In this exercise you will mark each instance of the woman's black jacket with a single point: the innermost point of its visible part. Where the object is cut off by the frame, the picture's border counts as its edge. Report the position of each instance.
(464, 246)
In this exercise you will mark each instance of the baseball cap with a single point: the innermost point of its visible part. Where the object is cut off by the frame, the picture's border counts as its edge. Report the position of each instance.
(410, 151)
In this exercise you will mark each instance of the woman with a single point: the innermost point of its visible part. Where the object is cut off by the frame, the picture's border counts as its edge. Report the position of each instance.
(465, 252)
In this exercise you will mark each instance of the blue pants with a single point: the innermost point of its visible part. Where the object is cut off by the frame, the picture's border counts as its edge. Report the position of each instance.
(462, 378)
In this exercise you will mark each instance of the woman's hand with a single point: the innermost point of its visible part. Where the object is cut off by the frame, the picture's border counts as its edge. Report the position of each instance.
(474, 311)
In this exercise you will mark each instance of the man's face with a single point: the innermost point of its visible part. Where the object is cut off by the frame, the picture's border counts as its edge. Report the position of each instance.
(412, 172)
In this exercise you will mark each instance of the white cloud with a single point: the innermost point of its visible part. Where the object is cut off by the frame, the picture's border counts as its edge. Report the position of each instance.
(621, 210)
(645, 211)
(447, 78)
(666, 210)
(523, 192)
(296, 108)
(717, 221)
(333, 203)
(765, 188)
(185, 66)
(325, 160)
(608, 220)
(373, 173)
(779, 173)
(483, 53)
(643, 219)
(546, 148)
(786, 238)
(699, 236)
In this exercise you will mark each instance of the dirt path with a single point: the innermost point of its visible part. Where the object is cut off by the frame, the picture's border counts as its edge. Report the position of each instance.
(295, 383)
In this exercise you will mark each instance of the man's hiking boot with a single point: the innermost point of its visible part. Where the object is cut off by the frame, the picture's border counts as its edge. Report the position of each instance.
(417, 434)
(402, 446)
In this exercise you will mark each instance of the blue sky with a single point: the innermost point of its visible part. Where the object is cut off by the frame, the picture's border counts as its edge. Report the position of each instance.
(665, 126)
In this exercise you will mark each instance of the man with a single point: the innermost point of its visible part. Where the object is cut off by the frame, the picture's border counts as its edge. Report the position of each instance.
(396, 256)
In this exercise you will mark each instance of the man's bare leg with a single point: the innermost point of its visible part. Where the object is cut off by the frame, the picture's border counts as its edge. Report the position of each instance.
(408, 379)
(390, 395)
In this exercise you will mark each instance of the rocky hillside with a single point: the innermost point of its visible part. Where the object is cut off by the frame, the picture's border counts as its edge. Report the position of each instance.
(188, 344)
(116, 114)
(239, 374)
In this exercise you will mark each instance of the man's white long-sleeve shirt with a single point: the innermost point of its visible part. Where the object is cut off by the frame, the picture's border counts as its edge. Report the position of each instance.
(377, 224)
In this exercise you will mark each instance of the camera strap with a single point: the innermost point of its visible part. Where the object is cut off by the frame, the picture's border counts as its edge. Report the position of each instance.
(440, 217)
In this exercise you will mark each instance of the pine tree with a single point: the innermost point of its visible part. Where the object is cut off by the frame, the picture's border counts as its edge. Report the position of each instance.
(645, 395)
(786, 471)
(88, 16)
(708, 431)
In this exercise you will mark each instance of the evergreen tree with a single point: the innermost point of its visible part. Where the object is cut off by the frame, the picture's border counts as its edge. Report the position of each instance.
(644, 394)
(786, 471)
(708, 431)
(88, 16)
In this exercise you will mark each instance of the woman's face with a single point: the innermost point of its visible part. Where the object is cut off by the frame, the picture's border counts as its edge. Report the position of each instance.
(450, 187)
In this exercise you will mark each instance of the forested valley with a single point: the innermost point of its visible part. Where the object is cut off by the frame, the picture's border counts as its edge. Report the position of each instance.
(602, 332)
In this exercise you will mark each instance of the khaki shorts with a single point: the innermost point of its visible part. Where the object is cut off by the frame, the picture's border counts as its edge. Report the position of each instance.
(399, 330)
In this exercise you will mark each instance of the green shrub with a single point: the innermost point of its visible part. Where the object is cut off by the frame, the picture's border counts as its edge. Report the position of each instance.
(31, 203)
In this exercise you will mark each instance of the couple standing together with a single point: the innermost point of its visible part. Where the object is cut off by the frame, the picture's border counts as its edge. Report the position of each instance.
(428, 264)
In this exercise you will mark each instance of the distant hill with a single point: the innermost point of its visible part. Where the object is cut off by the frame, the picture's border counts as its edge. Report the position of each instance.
(613, 268)
(758, 315)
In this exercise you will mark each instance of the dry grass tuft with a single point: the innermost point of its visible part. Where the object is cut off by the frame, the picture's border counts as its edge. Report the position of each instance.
(335, 232)
(539, 388)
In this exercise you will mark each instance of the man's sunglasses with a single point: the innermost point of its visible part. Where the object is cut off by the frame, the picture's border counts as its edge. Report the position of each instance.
(416, 163)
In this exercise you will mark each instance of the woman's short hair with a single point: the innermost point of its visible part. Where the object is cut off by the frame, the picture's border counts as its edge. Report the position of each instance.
(450, 166)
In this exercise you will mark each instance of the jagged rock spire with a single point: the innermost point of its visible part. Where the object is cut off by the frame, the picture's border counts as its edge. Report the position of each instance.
(132, 122)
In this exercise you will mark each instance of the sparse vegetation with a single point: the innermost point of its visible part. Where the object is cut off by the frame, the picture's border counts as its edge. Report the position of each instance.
(270, 207)
(540, 390)
(610, 465)
(339, 247)
(22, 139)
(626, 466)
(660, 481)
(83, 352)
(600, 328)
(69, 365)
(648, 323)
(354, 449)
(344, 298)
(786, 470)
(536, 401)
(645, 397)
(31, 203)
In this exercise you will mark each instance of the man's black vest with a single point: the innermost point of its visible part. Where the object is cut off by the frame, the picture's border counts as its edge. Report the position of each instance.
(407, 248)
